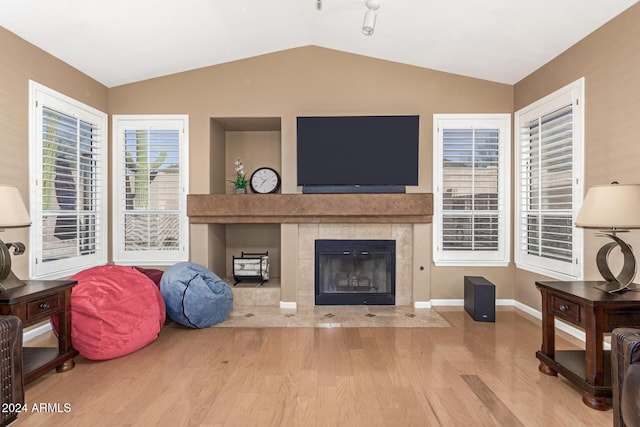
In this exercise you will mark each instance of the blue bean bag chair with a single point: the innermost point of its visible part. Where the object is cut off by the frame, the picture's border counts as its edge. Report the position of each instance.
(194, 296)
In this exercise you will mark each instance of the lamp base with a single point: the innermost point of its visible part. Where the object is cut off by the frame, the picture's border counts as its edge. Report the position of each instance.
(613, 287)
(10, 282)
(622, 281)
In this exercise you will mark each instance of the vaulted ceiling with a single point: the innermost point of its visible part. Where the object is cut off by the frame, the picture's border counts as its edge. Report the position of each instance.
(123, 41)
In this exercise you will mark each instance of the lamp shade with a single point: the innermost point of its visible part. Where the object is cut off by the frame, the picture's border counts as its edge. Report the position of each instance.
(13, 212)
(611, 206)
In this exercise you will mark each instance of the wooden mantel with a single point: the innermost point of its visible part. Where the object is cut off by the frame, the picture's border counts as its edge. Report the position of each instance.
(309, 208)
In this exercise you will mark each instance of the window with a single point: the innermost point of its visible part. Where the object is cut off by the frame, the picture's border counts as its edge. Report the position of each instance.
(150, 181)
(549, 176)
(68, 200)
(472, 188)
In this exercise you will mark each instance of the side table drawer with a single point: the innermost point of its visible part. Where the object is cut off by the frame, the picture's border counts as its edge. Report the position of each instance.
(565, 309)
(42, 307)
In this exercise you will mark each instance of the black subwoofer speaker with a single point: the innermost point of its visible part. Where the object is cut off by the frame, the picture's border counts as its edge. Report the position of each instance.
(480, 298)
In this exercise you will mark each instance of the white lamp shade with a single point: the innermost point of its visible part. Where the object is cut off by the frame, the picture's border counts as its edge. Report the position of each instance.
(611, 206)
(13, 212)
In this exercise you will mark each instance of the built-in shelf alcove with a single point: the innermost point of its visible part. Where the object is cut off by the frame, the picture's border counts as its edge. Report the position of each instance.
(253, 238)
(256, 141)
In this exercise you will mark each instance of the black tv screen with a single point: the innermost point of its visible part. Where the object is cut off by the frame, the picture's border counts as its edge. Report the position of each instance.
(355, 152)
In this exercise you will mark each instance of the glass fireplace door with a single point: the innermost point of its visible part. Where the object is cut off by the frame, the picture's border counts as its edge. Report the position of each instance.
(355, 272)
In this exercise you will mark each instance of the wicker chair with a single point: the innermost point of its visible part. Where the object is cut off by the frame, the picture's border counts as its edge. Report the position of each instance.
(10, 367)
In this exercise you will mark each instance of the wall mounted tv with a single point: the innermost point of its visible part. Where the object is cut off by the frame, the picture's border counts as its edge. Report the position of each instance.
(357, 154)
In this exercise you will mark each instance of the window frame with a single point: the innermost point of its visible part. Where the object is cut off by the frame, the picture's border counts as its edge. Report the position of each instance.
(39, 96)
(501, 256)
(573, 94)
(120, 123)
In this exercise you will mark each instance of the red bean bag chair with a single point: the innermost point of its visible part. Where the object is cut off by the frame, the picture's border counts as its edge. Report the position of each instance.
(115, 311)
(152, 273)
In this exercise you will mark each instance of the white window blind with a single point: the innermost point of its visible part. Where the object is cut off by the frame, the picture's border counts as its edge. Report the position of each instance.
(549, 180)
(67, 205)
(151, 197)
(472, 191)
(470, 184)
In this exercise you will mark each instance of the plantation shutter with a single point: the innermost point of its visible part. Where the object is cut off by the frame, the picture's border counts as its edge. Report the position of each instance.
(470, 189)
(471, 197)
(546, 182)
(151, 196)
(549, 174)
(70, 186)
(67, 150)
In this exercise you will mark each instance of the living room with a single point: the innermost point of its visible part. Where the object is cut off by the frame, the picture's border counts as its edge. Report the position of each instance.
(317, 81)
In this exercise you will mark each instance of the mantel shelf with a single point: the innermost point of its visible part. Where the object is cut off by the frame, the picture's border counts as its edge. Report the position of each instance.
(309, 208)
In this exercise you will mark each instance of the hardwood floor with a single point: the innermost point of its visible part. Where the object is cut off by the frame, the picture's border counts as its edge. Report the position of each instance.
(468, 374)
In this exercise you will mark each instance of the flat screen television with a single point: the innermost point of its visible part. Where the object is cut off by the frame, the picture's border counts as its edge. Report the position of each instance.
(357, 154)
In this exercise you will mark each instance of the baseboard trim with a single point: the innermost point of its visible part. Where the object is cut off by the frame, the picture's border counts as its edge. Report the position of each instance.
(288, 305)
(422, 304)
(447, 302)
(460, 302)
(36, 331)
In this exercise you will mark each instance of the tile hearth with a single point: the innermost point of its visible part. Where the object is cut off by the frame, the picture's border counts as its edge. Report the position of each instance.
(334, 316)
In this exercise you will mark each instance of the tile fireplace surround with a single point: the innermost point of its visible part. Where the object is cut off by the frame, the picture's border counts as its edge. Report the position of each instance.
(309, 233)
(329, 216)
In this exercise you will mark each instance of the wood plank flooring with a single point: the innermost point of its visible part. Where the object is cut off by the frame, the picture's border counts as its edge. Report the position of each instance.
(468, 374)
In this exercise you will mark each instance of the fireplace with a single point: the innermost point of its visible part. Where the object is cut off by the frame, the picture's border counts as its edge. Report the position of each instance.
(355, 272)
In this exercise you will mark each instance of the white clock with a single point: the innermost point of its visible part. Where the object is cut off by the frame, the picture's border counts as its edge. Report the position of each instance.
(264, 180)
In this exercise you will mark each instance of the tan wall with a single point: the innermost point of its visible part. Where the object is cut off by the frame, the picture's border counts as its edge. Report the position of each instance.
(255, 149)
(609, 59)
(20, 62)
(313, 81)
(317, 81)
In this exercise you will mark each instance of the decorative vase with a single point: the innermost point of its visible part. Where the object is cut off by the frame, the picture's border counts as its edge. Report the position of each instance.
(241, 190)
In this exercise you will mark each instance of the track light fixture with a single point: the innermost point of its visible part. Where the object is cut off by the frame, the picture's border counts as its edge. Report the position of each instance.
(370, 17)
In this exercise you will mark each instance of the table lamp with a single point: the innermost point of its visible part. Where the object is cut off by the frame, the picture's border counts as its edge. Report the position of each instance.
(12, 215)
(613, 209)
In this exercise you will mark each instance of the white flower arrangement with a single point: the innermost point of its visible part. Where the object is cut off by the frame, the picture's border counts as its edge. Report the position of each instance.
(240, 180)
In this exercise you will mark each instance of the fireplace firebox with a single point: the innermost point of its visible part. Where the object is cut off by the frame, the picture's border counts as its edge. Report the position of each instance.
(355, 272)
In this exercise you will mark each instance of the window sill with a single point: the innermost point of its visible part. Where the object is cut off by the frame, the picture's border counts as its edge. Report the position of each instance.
(556, 275)
(467, 263)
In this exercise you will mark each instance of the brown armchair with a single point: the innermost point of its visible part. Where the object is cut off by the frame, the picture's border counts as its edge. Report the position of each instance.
(625, 376)
(10, 368)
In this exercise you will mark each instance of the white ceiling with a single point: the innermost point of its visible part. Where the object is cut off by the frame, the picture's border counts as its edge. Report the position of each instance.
(123, 41)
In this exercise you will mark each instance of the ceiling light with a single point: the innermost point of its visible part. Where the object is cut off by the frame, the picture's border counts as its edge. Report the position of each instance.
(370, 17)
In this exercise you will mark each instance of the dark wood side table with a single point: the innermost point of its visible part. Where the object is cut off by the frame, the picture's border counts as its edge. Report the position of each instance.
(595, 311)
(33, 303)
